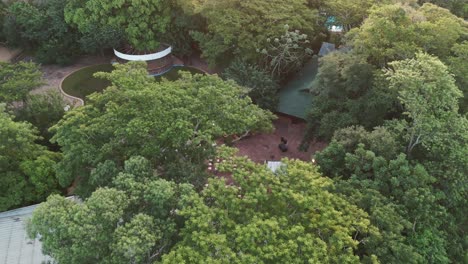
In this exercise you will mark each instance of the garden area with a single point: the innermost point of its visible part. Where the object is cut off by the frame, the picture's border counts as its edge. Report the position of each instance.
(268, 149)
(82, 82)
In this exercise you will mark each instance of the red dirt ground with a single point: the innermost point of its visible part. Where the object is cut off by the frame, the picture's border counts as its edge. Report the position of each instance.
(264, 147)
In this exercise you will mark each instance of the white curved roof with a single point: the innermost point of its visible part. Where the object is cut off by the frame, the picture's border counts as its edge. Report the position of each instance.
(144, 57)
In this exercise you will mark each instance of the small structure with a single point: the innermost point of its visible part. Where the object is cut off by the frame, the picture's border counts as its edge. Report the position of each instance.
(332, 26)
(159, 61)
(15, 246)
(295, 99)
(326, 48)
(274, 165)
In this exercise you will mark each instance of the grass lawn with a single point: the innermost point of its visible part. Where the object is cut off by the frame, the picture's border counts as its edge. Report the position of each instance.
(82, 82)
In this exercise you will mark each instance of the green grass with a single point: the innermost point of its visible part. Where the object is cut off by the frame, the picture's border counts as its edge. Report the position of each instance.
(82, 82)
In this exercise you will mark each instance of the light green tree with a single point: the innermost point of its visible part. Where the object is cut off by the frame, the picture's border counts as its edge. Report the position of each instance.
(285, 217)
(173, 124)
(133, 222)
(429, 95)
(397, 32)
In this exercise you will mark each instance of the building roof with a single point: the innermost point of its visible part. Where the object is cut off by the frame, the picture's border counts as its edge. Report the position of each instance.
(326, 48)
(15, 246)
(295, 98)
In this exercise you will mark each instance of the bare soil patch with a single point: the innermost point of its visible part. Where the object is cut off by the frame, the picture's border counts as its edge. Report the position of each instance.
(264, 147)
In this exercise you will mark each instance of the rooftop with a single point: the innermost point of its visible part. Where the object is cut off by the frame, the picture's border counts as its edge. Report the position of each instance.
(15, 246)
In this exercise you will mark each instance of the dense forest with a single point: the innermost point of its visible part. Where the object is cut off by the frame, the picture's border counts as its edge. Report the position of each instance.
(391, 185)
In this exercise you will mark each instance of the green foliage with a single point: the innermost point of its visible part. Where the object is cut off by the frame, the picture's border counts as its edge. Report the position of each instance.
(287, 217)
(458, 65)
(173, 124)
(99, 38)
(26, 169)
(457, 7)
(143, 22)
(134, 222)
(348, 91)
(178, 31)
(287, 53)
(396, 32)
(43, 111)
(17, 80)
(429, 95)
(41, 27)
(398, 196)
(262, 88)
(239, 28)
(348, 13)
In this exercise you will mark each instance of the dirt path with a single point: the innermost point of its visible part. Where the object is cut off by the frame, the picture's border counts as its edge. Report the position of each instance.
(7, 54)
(264, 147)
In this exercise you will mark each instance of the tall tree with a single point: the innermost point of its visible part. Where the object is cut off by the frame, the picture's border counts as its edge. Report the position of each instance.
(26, 168)
(40, 26)
(263, 89)
(133, 222)
(429, 95)
(241, 27)
(348, 91)
(173, 124)
(396, 32)
(348, 13)
(143, 22)
(285, 217)
(43, 111)
(458, 65)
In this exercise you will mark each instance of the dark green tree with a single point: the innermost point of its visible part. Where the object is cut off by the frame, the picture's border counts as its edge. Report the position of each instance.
(348, 91)
(26, 168)
(43, 111)
(17, 80)
(41, 27)
(263, 89)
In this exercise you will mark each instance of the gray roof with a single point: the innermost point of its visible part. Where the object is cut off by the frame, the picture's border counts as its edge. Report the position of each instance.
(326, 48)
(15, 246)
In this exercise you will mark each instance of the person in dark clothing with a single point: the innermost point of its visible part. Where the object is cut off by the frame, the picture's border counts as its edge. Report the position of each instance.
(283, 146)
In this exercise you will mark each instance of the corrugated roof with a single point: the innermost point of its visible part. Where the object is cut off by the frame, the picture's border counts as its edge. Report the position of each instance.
(295, 98)
(15, 246)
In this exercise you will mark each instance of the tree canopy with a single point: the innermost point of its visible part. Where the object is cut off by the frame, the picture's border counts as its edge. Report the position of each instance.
(287, 217)
(17, 80)
(236, 27)
(26, 168)
(173, 124)
(143, 22)
(398, 31)
(132, 222)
